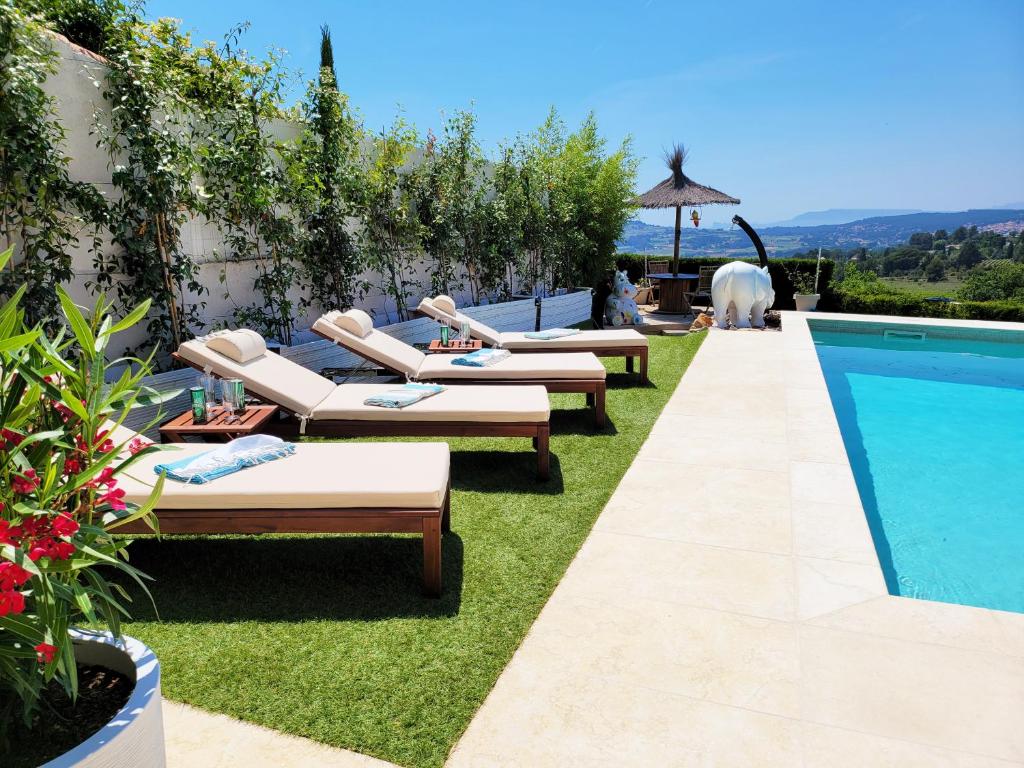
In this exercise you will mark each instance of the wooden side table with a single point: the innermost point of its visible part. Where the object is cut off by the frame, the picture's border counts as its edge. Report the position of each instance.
(457, 346)
(217, 428)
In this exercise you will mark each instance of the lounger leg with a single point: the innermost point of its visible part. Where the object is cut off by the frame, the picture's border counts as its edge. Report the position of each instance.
(446, 511)
(542, 443)
(432, 556)
(599, 415)
(629, 363)
(643, 367)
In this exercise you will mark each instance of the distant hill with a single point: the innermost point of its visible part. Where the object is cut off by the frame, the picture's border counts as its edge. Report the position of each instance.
(872, 232)
(840, 216)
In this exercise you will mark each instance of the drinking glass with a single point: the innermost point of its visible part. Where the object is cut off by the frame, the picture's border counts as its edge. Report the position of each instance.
(227, 393)
(464, 331)
(209, 385)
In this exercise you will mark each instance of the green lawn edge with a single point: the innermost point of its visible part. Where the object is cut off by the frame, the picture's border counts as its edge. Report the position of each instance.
(328, 637)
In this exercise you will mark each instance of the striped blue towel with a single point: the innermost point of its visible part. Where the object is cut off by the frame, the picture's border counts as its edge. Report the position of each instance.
(403, 396)
(237, 455)
(482, 358)
(552, 333)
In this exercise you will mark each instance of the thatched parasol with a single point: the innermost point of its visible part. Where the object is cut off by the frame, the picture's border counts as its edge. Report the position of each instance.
(679, 190)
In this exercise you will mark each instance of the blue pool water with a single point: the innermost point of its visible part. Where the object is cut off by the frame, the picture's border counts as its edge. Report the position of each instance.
(934, 429)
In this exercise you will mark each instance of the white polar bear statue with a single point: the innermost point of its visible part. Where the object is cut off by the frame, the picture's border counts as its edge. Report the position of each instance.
(620, 307)
(741, 293)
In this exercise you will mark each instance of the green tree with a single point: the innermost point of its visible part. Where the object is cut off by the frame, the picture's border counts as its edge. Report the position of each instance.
(935, 269)
(391, 233)
(922, 240)
(326, 173)
(968, 255)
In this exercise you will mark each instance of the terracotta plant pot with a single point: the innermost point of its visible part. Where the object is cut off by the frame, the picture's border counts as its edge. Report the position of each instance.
(134, 736)
(806, 302)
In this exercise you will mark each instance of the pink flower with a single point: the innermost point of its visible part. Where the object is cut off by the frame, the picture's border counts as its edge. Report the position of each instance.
(45, 653)
(137, 445)
(9, 534)
(12, 575)
(25, 484)
(11, 602)
(10, 439)
(114, 497)
(64, 525)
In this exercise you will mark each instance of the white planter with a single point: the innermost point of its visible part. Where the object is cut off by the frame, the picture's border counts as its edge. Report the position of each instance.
(134, 737)
(806, 302)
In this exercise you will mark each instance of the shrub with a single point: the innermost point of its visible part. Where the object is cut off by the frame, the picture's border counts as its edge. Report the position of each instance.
(997, 282)
(59, 500)
(779, 269)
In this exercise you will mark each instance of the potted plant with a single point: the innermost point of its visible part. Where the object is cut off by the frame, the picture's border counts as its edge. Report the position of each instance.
(61, 565)
(805, 292)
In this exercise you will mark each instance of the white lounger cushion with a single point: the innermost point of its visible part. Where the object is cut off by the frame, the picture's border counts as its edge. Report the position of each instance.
(317, 476)
(355, 321)
(270, 376)
(610, 339)
(567, 365)
(463, 403)
(241, 345)
(375, 345)
(515, 340)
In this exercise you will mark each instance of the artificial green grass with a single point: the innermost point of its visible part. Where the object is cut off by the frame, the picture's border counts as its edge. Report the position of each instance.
(328, 637)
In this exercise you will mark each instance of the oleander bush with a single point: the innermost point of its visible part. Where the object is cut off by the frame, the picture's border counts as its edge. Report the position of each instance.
(60, 503)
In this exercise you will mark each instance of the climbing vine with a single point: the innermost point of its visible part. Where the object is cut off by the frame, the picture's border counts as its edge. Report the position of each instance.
(43, 211)
(148, 136)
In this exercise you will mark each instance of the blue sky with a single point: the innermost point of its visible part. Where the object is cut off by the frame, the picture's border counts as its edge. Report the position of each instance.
(790, 106)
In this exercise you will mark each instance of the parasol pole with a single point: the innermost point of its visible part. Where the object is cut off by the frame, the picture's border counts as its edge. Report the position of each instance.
(675, 248)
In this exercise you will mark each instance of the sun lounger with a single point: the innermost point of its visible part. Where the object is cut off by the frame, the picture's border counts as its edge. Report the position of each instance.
(564, 372)
(322, 488)
(323, 408)
(619, 342)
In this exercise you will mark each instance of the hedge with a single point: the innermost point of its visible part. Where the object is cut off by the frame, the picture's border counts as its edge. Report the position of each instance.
(908, 305)
(776, 268)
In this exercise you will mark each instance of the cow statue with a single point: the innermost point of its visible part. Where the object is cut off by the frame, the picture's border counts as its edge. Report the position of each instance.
(741, 293)
(620, 308)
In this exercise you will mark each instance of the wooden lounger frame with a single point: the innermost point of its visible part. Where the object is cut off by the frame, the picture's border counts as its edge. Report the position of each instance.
(431, 523)
(594, 389)
(638, 351)
(539, 431)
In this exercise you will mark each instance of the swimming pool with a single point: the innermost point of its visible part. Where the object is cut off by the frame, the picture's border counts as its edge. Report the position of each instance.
(932, 418)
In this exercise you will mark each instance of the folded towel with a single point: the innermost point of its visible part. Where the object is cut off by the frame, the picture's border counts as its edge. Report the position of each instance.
(482, 358)
(552, 333)
(403, 396)
(236, 455)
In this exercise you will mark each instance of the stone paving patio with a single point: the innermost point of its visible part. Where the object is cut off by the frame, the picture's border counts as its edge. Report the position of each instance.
(728, 609)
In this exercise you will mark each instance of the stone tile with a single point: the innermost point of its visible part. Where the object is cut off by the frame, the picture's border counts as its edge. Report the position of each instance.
(929, 694)
(198, 739)
(701, 521)
(695, 652)
(739, 450)
(660, 482)
(905, 618)
(561, 721)
(824, 586)
(825, 747)
(821, 482)
(832, 532)
(714, 432)
(815, 443)
(625, 568)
